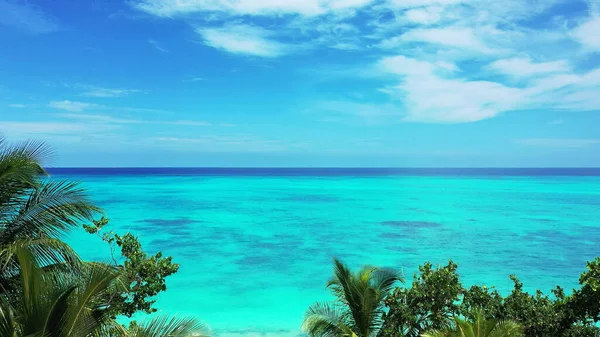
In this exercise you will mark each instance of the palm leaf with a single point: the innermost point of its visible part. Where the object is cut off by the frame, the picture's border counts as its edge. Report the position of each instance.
(51, 209)
(326, 320)
(166, 326)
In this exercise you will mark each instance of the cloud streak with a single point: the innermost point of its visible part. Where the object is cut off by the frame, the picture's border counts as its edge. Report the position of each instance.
(443, 61)
(22, 15)
(558, 142)
(244, 40)
(157, 46)
(72, 106)
(93, 91)
(173, 8)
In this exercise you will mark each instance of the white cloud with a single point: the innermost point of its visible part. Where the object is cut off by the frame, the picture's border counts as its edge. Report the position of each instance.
(454, 37)
(369, 112)
(72, 106)
(16, 105)
(157, 46)
(216, 143)
(187, 123)
(23, 15)
(108, 119)
(99, 118)
(243, 39)
(452, 50)
(438, 100)
(93, 91)
(426, 96)
(558, 142)
(403, 65)
(41, 127)
(587, 33)
(418, 3)
(171, 8)
(55, 131)
(426, 16)
(524, 66)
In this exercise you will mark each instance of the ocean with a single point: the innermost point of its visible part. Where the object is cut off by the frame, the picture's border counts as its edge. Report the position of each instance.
(256, 245)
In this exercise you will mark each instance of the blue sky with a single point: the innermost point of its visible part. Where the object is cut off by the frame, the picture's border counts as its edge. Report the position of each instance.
(304, 82)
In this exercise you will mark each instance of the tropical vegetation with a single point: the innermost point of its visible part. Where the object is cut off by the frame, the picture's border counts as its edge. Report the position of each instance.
(359, 305)
(437, 304)
(46, 289)
(480, 326)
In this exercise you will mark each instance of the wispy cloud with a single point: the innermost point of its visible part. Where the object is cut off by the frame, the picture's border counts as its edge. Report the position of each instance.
(587, 33)
(195, 79)
(171, 8)
(220, 143)
(93, 91)
(54, 131)
(430, 97)
(109, 119)
(524, 66)
(371, 113)
(424, 15)
(454, 37)
(99, 118)
(442, 61)
(558, 142)
(72, 106)
(243, 39)
(16, 105)
(22, 15)
(157, 46)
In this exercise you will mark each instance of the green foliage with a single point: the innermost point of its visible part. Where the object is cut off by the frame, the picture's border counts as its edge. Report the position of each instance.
(436, 295)
(358, 308)
(35, 212)
(161, 326)
(429, 303)
(57, 304)
(45, 289)
(143, 274)
(479, 326)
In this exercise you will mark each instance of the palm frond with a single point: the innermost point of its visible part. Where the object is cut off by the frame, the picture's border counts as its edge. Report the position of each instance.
(507, 329)
(9, 326)
(479, 327)
(87, 310)
(20, 169)
(326, 320)
(384, 279)
(168, 326)
(50, 210)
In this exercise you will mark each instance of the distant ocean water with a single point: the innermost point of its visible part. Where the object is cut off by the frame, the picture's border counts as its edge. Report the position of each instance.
(255, 245)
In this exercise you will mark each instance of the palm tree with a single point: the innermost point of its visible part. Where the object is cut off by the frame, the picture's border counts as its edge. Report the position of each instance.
(479, 327)
(359, 303)
(165, 326)
(53, 302)
(34, 212)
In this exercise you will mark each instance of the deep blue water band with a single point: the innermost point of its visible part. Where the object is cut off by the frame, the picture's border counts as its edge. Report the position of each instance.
(329, 172)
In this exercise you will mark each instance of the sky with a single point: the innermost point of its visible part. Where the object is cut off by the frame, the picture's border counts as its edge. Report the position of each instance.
(321, 83)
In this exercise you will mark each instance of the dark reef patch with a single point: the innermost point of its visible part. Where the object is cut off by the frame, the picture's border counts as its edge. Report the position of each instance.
(410, 234)
(168, 222)
(256, 260)
(312, 198)
(412, 224)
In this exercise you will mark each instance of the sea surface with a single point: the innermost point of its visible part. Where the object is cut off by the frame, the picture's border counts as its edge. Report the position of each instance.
(256, 245)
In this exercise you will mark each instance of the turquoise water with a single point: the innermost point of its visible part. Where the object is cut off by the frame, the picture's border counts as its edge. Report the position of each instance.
(256, 250)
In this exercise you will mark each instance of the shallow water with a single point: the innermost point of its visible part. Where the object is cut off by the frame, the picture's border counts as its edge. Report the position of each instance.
(255, 247)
